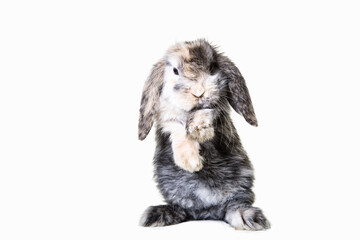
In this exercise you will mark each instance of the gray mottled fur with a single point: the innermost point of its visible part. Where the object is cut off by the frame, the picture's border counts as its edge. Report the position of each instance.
(224, 183)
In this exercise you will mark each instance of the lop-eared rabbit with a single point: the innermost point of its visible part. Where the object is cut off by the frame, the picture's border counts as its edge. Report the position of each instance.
(201, 168)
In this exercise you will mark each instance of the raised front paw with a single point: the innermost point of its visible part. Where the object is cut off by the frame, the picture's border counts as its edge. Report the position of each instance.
(186, 155)
(251, 218)
(199, 126)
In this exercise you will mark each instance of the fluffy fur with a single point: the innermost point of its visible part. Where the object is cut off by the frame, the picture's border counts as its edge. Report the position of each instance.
(201, 168)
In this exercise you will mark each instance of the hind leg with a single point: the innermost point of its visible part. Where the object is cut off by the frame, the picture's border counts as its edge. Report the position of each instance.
(162, 215)
(247, 218)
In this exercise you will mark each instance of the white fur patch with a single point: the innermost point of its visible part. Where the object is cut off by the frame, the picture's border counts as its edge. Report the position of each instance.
(235, 220)
(209, 197)
(247, 172)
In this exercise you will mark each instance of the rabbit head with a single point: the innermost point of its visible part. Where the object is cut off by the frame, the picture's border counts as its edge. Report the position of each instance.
(193, 75)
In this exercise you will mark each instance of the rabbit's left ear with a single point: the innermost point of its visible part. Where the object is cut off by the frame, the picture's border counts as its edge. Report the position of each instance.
(150, 99)
(238, 93)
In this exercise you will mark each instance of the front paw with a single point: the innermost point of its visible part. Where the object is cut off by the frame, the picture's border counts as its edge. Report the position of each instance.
(199, 127)
(187, 157)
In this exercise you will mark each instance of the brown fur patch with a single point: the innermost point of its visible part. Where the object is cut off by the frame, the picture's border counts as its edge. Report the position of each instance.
(186, 155)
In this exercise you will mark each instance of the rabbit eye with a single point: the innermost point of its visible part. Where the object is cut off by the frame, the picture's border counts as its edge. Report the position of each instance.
(176, 72)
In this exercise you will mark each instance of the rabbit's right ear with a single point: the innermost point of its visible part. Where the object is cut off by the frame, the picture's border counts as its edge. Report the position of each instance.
(150, 99)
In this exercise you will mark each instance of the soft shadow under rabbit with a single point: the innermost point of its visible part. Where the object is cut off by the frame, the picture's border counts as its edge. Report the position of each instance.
(201, 168)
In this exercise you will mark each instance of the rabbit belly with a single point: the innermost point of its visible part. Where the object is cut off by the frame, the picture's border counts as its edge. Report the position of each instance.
(224, 176)
(210, 197)
(192, 194)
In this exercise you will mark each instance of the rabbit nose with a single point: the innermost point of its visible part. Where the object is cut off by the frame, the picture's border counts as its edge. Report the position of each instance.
(198, 92)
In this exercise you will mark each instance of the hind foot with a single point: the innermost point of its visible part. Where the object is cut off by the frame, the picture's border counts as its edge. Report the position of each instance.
(162, 215)
(247, 219)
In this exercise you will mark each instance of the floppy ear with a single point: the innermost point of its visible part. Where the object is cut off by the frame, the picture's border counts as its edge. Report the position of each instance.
(238, 93)
(150, 99)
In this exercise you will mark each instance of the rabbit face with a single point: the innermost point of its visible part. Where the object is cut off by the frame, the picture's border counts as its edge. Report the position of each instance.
(191, 77)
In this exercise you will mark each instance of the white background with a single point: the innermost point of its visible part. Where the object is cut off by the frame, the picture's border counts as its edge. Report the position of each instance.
(71, 75)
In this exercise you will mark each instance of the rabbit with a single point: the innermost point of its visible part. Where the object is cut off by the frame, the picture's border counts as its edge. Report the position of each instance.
(201, 168)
